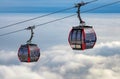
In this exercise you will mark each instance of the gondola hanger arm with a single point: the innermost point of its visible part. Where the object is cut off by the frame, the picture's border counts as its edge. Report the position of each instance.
(78, 6)
(31, 29)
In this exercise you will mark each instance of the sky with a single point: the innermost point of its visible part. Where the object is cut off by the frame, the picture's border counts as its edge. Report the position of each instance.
(44, 6)
(58, 60)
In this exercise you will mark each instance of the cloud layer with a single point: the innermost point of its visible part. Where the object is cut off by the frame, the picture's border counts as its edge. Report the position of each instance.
(61, 62)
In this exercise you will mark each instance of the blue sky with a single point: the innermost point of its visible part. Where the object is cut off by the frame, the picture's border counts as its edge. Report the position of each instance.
(41, 6)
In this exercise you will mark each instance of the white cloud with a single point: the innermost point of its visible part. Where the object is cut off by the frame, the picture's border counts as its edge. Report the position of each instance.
(18, 72)
(61, 62)
(107, 49)
(69, 64)
(103, 74)
(8, 57)
(106, 69)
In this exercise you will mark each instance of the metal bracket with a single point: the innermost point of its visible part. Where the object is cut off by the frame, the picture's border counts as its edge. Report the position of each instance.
(30, 28)
(78, 11)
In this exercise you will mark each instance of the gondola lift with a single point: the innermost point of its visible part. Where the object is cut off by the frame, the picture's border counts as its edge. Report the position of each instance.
(29, 52)
(83, 36)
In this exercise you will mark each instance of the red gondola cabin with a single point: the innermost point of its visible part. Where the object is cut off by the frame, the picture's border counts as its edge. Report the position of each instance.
(82, 37)
(29, 53)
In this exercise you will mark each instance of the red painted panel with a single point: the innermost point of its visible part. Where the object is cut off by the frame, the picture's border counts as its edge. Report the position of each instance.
(28, 53)
(83, 38)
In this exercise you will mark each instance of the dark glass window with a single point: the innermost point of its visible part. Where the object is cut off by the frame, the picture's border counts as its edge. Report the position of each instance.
(23, 53)
(34, 53)
(74, 34)
(79, 37)
(90, 38)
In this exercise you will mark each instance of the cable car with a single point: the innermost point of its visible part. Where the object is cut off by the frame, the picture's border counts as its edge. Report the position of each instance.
(29, 52)
(82, 37)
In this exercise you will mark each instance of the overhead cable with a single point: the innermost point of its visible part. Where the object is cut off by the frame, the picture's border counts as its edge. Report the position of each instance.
(37, 25)
(11, 25)
(20, 22)
(101, 6)
(12, 32)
